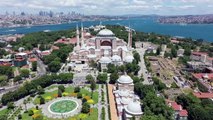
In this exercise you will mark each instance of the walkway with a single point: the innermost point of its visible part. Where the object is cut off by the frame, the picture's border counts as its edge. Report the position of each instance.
(113, 110)
(143, 69)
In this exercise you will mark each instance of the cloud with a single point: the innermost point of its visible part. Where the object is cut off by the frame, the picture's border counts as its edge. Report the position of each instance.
(111, 7)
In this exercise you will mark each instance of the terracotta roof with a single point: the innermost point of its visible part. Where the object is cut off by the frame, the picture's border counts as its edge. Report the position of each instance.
(200, 75)
(73, 40)
(203, 95)
(175, 106)
(199, 53)
(55, 48)
(175, 41)
(45, 53)
(210, 58)
(32, 59)
(183, 113)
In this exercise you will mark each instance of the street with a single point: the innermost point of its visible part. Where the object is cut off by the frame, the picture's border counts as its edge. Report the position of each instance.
(143, 69)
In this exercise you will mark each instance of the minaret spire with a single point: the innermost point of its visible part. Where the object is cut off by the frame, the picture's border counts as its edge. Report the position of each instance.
(129, 38)
(82, 34)
(77, 35)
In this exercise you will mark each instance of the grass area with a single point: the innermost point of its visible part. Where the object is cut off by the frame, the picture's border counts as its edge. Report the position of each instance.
(187, 90)
(4, 112)
(69, 90)
(26, 116)
(92, 116)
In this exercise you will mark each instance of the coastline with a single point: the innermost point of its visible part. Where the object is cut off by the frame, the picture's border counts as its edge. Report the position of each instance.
(194, 31)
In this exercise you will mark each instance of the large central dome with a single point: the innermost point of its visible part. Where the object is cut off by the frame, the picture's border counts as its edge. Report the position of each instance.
(125, 79)
(106, 33)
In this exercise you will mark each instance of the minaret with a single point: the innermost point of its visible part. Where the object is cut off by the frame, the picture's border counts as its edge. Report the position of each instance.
(77, 35)
(130, 38)
(82, 34)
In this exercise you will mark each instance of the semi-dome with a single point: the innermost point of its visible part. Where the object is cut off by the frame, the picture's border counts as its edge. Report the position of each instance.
(125, 100)
(123, 93)
(105, 32)
(116, 58)
(134, 108)
(87, 34)
(129, 59)
(105, 60)
(125, 79)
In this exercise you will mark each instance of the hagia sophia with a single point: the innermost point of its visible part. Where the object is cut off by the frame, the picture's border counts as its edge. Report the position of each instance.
(104, 48)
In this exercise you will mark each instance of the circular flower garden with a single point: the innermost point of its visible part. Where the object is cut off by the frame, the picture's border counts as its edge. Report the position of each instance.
(63, 106)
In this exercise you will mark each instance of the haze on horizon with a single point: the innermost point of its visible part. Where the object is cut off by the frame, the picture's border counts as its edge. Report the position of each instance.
(110, 7)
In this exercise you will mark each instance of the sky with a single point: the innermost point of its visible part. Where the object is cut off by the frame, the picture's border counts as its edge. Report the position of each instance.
(110, 7)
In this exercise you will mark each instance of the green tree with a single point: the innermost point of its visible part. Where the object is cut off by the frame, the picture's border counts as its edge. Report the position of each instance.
(25, 73)
(42, 101)
(30, 113)
(158, 50)
(152, 117)
(77, 89)
(89, 78)
(187, 100)
(111, 68)
(40, 90)
(102, 78)
(10, 105)
(122, 68)
(79, 95)
(34, 66)
(6, 70)
(113, 78)
(197, 112)
(65, 78)
(137, 57)
(59, 93)
(54, 66)
(61, 87)
(17, 78)
(85, 108)
(174, 52)
(92, 85)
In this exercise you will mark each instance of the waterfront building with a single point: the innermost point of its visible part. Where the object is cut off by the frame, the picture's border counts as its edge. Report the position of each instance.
(104, 48)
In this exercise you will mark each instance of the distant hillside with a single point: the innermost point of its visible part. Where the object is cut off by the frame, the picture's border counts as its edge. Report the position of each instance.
(187, 19)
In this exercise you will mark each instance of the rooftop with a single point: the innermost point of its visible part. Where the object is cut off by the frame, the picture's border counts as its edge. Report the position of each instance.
(203, 95)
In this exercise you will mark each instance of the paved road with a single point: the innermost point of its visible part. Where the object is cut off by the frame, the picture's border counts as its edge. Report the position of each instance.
(143, 69)
(41, 67)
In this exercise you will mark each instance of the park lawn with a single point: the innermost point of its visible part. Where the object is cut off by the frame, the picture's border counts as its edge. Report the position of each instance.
(4, 111)
(91, 116)
(83, 91)
(95, 97)
(48, 94)
(25, 116)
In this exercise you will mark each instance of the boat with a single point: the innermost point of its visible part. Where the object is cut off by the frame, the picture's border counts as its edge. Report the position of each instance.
(12, 30)
(47, 30)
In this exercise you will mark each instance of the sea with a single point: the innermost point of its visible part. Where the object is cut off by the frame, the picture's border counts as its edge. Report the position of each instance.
(195, 31)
